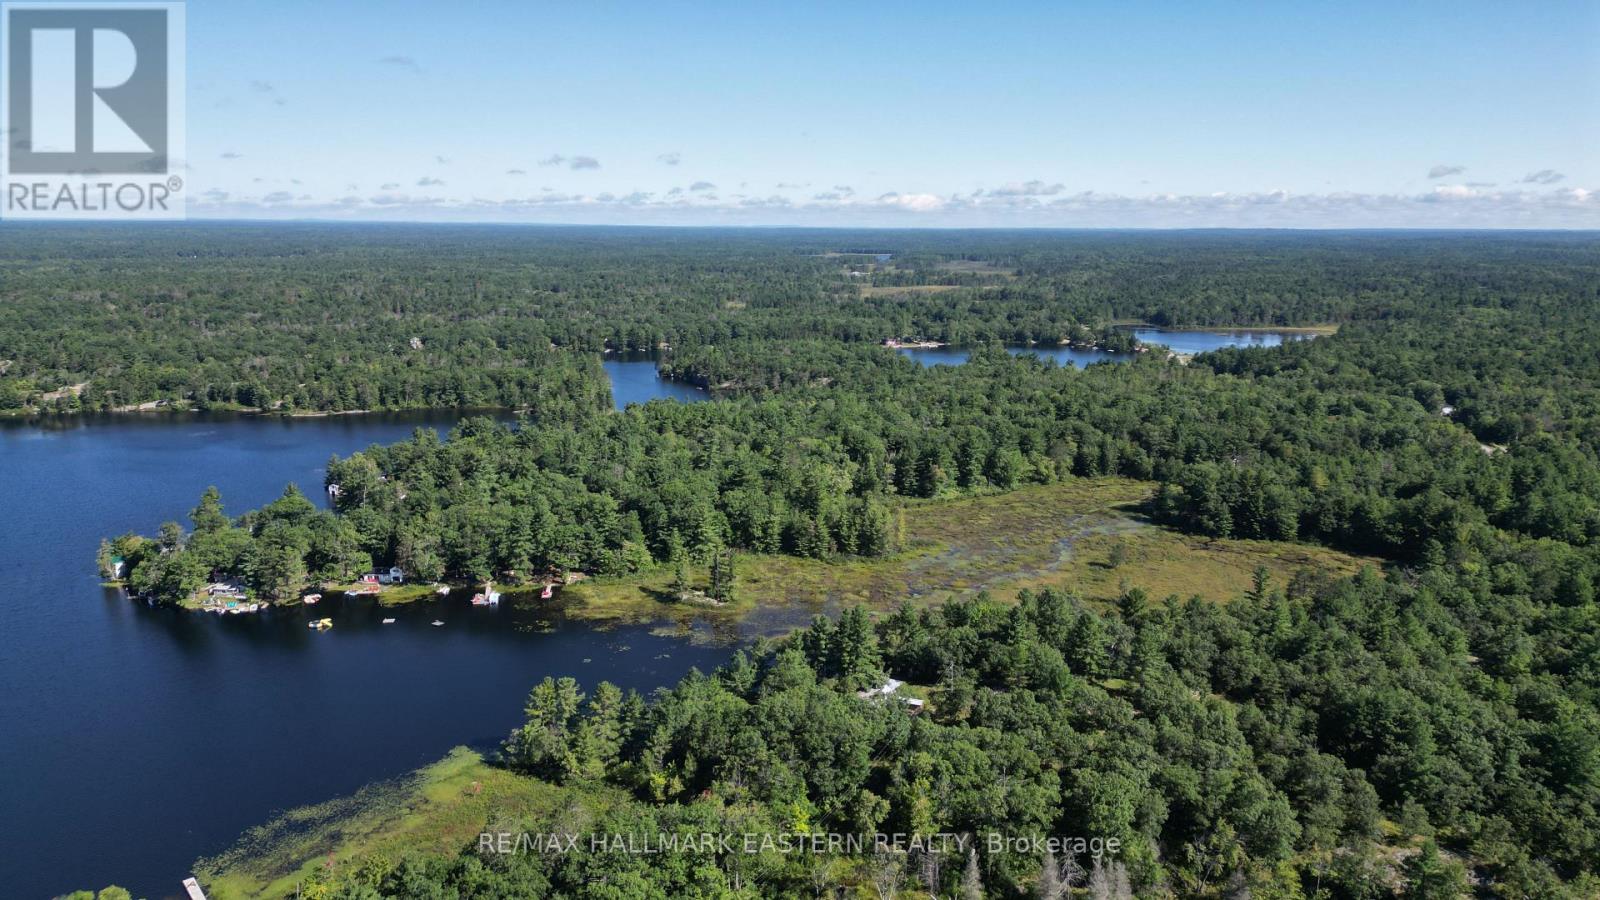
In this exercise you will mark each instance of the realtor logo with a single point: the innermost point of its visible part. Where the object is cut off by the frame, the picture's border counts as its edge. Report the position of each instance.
(91, 109)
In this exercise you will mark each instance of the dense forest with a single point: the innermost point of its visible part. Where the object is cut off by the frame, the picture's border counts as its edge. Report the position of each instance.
(329, 317)
(812, 464)
(1429, 731)
(1269, 748)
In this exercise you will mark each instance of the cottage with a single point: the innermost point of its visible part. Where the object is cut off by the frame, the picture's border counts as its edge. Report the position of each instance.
(887, 689)
(883, 690)
(119, 567)
(229, 590)
(394, 576)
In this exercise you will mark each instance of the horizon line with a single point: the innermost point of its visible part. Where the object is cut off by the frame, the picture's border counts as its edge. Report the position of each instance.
(488, 223)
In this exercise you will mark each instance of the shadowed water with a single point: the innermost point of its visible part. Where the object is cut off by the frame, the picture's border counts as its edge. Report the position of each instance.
(135, 739)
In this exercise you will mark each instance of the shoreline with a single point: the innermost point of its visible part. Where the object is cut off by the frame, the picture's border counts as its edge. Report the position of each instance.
(45, 416)
(1322, 329)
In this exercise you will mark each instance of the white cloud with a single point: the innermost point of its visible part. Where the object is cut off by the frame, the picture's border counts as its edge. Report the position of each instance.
(1033, 188)
(1443, 206)
(913, 202)
(1444, 171)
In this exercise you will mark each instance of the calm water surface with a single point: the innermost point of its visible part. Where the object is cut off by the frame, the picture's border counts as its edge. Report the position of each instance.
(1180, 341)
(134, 740)
(1206, 341)
(634, 380)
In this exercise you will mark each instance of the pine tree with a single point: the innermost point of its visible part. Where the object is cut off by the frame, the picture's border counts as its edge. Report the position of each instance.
(1259, 579)
(208, 516)
(855, 656)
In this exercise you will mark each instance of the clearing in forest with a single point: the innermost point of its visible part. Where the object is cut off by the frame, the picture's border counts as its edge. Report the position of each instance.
(1087, 535)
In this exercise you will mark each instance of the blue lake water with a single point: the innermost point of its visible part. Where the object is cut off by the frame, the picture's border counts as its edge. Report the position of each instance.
(1062, 356)
(135, 740)
(634, 380)
(1206, 341)
(1179, 341)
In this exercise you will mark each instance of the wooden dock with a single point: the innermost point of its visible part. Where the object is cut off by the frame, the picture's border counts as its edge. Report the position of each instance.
(193, 888)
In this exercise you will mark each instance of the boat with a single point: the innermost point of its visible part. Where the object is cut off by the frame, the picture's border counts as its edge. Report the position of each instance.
(437, 623)
(310, 599)
(388, 621)
(320, 624)
(480, 600)
(549, 589)
(443, 589)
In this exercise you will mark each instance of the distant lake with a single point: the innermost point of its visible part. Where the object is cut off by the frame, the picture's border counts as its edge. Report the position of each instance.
(634, 380)
(135, 740)
(1183, 341)
(1179, 341)
(1062, 356)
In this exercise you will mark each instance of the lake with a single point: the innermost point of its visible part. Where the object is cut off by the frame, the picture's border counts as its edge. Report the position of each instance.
(1207, 340)
(1179, 341)
(134, 740)
(634, 380)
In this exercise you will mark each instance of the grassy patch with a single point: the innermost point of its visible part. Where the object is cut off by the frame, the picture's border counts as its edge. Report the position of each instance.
(435, 811)
(1063, 535)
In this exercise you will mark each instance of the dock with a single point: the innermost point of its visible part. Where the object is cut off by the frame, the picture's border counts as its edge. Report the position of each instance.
(192, 887)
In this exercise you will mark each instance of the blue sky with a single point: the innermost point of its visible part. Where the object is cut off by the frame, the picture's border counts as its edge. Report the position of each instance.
(1024, 114)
